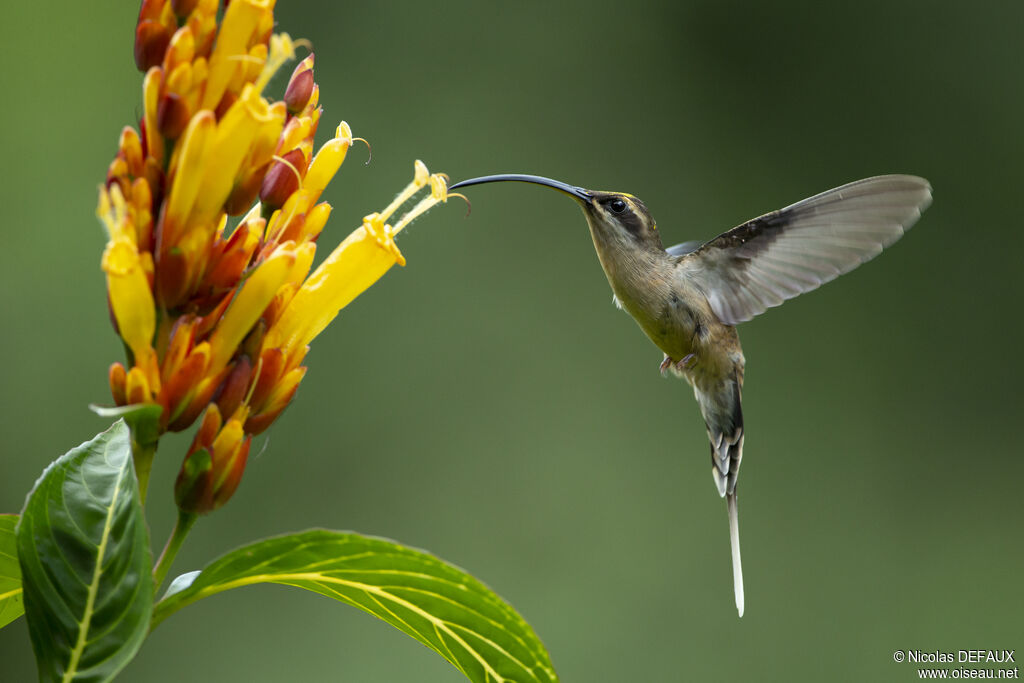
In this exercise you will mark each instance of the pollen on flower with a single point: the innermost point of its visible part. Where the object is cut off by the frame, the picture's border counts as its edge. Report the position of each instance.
(218, 315)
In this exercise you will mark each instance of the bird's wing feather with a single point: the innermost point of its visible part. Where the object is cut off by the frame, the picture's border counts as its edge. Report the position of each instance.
(684, 248)
(793, 250)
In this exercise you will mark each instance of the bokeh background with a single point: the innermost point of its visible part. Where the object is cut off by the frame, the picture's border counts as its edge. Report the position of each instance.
(489, 404)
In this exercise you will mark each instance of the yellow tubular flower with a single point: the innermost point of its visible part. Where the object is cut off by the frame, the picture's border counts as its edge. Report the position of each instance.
(355, 264)
(187, 173)
(151, 102)
(235, 134)
(328, 160)
(255, 295)
(240, 20)
(130, 296)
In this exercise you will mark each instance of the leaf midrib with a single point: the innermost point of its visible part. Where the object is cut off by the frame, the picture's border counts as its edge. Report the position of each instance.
(11, 594)
(372, 590)
(90, 601)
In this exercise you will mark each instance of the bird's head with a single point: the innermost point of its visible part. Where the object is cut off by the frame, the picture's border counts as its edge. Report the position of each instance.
(616, 219)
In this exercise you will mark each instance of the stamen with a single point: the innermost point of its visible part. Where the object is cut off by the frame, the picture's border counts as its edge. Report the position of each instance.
(438, 194)
(369, 150)
(469, 204)
(439, 187)
(422, 176)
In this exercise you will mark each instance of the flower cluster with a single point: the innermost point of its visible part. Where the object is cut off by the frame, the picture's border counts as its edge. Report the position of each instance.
(216, 320)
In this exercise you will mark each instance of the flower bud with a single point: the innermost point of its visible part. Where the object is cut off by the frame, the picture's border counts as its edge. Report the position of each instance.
(232, 391)
(183, 8)
(172, 115)
(282, 179)
(245, 191)
(214, 464)
(280, 397)
(129, 148)
(118, 378)
(137, 387)
(151, 41)
(300, 86)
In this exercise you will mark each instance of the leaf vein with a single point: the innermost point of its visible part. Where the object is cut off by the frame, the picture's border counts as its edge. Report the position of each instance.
(10, 594)
(371, 589)
(83, 631)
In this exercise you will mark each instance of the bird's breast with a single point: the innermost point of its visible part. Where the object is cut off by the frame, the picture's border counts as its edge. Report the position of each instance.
(673, 313)
(680, 322)
(671, 320)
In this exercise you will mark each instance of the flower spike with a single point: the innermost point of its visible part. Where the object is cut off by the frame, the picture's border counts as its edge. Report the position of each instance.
(217, 316)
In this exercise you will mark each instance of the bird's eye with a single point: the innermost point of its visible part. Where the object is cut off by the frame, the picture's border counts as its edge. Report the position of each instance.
(617, 205)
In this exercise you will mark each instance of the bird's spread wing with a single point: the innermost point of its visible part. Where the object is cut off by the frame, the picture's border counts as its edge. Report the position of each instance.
(796, 249)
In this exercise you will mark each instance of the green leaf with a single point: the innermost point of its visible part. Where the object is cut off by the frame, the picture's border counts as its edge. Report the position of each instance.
(11, 606)
(437, 604)
(143, 418)
(144, 422)
(85, 562)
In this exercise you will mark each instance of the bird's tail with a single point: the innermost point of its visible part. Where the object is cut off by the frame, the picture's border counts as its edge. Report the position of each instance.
(723, 415)
(737, 564)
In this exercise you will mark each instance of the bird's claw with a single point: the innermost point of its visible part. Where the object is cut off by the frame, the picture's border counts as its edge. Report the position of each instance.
(680, 366)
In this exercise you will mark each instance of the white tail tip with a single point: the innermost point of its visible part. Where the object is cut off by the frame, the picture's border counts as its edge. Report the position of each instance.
(737, 565)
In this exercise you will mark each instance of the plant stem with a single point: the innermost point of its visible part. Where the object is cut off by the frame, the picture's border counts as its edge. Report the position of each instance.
(142, 455)
(181, 529)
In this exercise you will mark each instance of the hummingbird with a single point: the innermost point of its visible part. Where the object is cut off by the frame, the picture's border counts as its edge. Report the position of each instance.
(689, 298)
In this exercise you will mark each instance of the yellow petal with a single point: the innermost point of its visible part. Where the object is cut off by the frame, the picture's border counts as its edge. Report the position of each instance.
(188, 175)
(351, 268)
(247, 306)
(240, 21)
(304, 254)
(151, 100)
(315, 221)
(232, 141)
(130, 295)
(328, 160)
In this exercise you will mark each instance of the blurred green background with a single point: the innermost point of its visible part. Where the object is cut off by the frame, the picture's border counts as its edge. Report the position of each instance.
(489, 404)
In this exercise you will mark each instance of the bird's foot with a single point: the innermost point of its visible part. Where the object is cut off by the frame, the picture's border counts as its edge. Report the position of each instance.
(686, 361)
(678, 366)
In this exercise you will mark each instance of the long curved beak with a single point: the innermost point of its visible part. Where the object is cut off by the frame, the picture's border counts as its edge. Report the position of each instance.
(571, 190)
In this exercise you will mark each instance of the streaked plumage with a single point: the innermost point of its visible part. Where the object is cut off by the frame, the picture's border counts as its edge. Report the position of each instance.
(688, 298)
